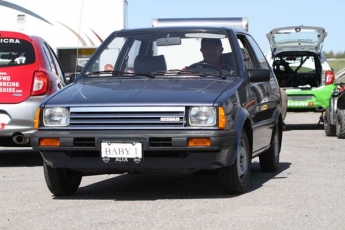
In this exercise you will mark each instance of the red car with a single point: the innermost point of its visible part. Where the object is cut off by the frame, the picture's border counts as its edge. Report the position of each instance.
(29, 72)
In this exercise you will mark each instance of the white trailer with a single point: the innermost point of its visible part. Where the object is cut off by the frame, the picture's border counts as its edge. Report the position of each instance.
(74, 29)
(238, 23)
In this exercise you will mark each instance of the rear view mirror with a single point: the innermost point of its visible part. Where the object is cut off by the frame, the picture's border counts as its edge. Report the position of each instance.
(72, 77)
(168, 41)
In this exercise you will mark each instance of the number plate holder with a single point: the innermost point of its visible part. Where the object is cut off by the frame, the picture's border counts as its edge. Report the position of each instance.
(121, 151)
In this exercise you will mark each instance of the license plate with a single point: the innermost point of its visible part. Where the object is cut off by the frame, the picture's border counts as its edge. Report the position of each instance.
(123, 150)
(297, 103)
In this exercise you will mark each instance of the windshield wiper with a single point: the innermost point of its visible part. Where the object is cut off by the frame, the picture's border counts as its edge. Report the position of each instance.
(117, 73)
(98, 72)
(187, 72)
(177, 72)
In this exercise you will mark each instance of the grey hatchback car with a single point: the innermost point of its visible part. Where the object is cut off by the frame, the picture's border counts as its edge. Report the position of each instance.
(167, 115)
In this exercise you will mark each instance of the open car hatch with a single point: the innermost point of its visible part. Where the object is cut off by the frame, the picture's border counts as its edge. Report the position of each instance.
(303, 38)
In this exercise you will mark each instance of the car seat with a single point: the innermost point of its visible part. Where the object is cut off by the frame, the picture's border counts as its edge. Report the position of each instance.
(283, 73)
(146, 64)
(228, 60)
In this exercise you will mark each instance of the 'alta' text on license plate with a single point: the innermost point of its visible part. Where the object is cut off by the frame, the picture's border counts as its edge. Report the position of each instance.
(128, 150)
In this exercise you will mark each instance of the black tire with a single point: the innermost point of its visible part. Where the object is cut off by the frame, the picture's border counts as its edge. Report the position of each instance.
(60, 181)
(269, 160)
(234, 179)
(340, 125)
(330, 129)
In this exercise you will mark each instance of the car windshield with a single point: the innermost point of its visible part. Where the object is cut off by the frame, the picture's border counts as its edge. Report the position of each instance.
(161, 52)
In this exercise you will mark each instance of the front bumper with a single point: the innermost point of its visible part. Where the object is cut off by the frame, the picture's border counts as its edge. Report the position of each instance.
(162, 149)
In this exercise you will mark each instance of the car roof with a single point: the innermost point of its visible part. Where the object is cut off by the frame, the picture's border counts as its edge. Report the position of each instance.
(178, 28)
(296, 38)
(13, 34)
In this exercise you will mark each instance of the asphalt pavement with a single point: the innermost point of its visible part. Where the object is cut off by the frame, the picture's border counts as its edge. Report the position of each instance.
(307, 192)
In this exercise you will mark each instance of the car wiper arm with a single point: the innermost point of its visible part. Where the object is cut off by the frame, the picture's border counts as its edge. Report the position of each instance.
(188, 72)
(99, 72)
(118, 73)
(178, 72)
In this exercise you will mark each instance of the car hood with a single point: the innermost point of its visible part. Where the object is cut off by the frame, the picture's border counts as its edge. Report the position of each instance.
(142, 91)
(296, 38)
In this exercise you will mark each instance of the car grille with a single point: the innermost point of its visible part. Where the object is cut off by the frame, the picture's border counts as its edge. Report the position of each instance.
(84, 142)
(160, 142)
(127, 117)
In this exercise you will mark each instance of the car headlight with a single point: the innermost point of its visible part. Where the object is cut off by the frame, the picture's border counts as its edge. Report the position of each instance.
(56, 116)
(202, 116)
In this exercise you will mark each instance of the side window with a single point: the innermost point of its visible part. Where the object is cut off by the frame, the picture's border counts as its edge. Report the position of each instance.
(248, 59)
(132, 54)
(258, 53)
(262, 62)
(57, 64)
(49, 58)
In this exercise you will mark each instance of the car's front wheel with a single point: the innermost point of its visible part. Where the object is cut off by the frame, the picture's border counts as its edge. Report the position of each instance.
(340, 126)
(269, 160)
(329, 128)
(60, 181)
(234, 179)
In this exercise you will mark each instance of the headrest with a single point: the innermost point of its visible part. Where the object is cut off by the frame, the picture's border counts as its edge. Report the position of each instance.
(279, 62)
(143, 64)
(227, 57)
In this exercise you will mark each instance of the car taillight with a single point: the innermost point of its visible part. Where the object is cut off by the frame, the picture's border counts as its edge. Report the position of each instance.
(329, 77)
(41, 84)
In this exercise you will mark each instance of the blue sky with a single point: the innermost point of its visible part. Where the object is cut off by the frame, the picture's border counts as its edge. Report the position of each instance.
(263, 15)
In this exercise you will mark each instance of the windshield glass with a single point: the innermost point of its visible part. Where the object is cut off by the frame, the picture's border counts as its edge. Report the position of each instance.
(164, 52)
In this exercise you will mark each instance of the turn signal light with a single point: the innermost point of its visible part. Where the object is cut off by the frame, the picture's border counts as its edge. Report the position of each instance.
(221, 118)
(37, 119)
(49, 142)
(197, 142)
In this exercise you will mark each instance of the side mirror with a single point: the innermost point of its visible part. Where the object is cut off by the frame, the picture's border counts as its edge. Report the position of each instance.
(259, 75)
(72, 78)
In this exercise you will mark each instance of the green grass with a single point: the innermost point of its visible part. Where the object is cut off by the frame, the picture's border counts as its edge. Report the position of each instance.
(336, 64)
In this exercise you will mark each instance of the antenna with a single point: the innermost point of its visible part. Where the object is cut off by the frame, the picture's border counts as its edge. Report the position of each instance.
(79, 31)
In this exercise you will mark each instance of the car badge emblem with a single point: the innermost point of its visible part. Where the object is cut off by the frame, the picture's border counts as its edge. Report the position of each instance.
(168, 119)
(106, 159)
(137, 160)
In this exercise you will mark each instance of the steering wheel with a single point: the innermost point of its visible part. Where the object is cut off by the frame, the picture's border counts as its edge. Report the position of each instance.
(203, 65)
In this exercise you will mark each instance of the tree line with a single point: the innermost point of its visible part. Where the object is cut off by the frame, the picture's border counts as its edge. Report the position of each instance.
(331, 54)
